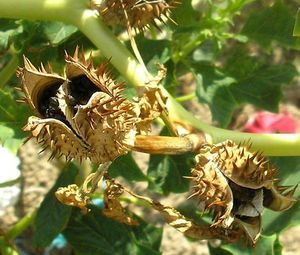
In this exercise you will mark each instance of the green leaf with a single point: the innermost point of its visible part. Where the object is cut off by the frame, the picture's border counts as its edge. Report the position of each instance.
(289, 173)
(126, 167)
(52, 216)
(274, 23)
(296, 31)
(184, 14)
(9, 29)
(95, 234)
(213, 88)
(58, 32)
(244, 79)
(9, 140)
(12, 114)
(166, 173)
(154, 52)
(266, 245)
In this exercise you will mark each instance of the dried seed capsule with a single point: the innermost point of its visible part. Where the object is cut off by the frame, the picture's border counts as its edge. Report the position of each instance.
(138, 14)
(81, 116)
(235, 184)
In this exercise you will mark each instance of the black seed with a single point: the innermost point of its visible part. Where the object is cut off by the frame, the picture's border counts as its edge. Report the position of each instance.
(81, 89)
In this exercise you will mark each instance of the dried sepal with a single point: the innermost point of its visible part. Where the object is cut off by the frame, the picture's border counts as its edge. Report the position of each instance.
(280, 198)
(104, 119)
(152, 104)
(240, 165)
(112, 206)
(177, 220)
(71, 196)
(235, 184)
(136, 14)
(37, 83)
(58, 137)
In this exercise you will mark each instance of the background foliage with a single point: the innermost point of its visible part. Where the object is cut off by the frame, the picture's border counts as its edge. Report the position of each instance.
(228, 46)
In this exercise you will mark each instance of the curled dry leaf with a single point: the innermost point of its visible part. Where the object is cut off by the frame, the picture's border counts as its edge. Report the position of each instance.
(152, 101)
(235, 184)
(172, 217)
(81, 116)
(112, 206)
(71, 196)
(151, 104)
(137, 14)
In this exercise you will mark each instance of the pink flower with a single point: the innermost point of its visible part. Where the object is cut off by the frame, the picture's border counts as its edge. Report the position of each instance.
(267, 122)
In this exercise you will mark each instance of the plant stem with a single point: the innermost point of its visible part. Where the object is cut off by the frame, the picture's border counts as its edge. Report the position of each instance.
(185, 98)
(19, 227)
(8, 71)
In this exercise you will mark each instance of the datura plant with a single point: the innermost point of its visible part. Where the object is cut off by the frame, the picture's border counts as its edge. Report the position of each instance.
(84, 115)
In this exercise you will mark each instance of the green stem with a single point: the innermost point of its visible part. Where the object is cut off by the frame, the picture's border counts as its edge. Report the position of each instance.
(19, 227)
(270, 144)
(8, 71)
(185, 98)
(75, 12)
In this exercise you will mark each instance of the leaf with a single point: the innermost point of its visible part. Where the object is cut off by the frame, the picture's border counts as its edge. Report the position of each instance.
(9, 29)
(8, 140)
(265, 246)
(154, 52)
(296, 31)
(184, 14)
(166, 173)
(289, 173)
(96, 234)
(58, 32)
(12, 118)
(244, 79)
(12, 114)
(272, 24)
(52, 216)
(126, 167)
(213, 88)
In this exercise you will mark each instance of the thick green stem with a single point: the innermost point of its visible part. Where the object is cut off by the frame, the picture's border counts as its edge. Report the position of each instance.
(91, 25)
(270, 144)
(76, 12)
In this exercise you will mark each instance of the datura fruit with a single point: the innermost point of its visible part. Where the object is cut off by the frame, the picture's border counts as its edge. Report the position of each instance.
(235, 184)
(138, 14)
(82, 115)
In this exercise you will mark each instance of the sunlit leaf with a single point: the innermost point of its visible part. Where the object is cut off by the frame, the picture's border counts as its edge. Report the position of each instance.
(95, 234)
(52, 216)
(272, 23)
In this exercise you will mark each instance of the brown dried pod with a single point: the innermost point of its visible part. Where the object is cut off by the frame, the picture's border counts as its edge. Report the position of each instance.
(235, 184)
(71, 196)
(81, 116)
(138, 14)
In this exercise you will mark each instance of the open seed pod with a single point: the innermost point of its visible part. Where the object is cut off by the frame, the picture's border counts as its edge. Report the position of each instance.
(39, 87)
(235, 184)
(138, 14)
(83, 115)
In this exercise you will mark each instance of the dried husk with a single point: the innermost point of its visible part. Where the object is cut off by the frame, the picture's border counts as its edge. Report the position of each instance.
(35, 81)
(235, 184)
(137, 14)
(71, 196)
(84, 115)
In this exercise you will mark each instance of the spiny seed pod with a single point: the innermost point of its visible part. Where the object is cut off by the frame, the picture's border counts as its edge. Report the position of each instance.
(81, 116)
(138, 14)
(235, 184)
